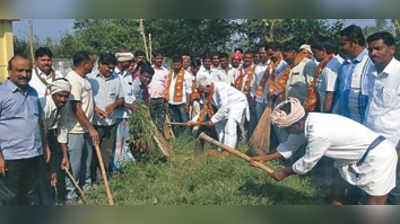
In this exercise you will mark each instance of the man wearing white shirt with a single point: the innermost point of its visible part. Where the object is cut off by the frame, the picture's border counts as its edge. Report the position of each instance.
(260, 72)
(226, 70)
(363, 158)
(231, 106)
(43, 73)
(327, 79)
(122, 152)
(214, 74)
(382, 113)
(178, 94)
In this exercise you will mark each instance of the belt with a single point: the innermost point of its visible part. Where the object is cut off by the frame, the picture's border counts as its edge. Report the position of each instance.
(375, 143)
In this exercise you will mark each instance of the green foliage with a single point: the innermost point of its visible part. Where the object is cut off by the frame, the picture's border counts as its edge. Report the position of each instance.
(190, 36)
(141, 130)
(283, 30)
(212, 180)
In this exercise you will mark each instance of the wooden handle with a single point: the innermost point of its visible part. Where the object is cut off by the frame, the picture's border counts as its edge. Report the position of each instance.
(103, 172)
(183, 123)
(77, 186)
(235, 152)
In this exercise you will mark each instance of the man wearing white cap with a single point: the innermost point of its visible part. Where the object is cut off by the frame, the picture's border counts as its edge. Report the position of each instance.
(307, 51)
(231, 105)
(53, 109)
(363, 158)
(124, 59)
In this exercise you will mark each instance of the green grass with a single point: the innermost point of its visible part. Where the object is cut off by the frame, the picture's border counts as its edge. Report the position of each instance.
(211, 180)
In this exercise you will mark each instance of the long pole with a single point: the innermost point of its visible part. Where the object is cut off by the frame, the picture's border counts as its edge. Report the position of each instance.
(141, 31)
(235, 152)
(77, 186)
(103, 172)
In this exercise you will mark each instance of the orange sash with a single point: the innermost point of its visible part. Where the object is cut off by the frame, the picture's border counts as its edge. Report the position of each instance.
(178, 86)
(207, 106)
(311, 100)
(272, 79)
(195, 94)
(260, 89)
(239, 81)
(280, 84)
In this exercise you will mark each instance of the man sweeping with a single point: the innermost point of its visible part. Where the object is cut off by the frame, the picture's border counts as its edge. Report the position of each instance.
(231, 105)
(363, 158)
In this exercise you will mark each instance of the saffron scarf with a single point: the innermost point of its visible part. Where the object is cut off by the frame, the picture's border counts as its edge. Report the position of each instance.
(178, 86)
(207, 106)
(239, 81)
(311, 100)
(280, 84)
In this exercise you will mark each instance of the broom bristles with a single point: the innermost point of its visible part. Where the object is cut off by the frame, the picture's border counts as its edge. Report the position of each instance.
(260, 140)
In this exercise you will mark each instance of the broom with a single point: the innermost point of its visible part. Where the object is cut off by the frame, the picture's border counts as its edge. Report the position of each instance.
(260, 140)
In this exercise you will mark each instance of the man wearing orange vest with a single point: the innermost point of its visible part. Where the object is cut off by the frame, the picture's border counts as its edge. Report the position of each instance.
(177, 94)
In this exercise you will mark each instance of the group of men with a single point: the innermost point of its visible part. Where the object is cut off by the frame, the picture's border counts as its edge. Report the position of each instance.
(62, 117)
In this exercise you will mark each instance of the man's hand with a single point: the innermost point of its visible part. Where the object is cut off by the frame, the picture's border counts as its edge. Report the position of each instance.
(100, 113)
(282, 173)
(208, 123)
(47, 153)
(110, 109)
(94, 135)
(189, 123)
(53, 179)
(3, 165)
(65, 163)
(187, 108)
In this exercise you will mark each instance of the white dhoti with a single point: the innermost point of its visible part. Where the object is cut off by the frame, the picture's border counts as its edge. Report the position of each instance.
(377, 174)
(227, 129)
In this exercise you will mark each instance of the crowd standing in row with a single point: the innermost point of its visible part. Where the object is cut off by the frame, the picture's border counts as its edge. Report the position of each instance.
(61, 116)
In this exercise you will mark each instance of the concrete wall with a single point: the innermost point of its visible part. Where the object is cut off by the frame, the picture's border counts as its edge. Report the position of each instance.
(6, 47)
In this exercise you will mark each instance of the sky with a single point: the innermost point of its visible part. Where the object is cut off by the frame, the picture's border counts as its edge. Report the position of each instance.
(56, 28)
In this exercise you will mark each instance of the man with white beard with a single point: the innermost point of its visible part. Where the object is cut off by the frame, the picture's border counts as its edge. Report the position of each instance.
(231, 105)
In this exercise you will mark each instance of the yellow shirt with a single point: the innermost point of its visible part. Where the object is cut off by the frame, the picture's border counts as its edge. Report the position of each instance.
(81, 91)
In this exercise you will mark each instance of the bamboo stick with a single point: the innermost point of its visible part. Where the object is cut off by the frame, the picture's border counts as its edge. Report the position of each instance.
(103, 172)
(235, 152)
(184, 123)
(141, 30)
(77, 186)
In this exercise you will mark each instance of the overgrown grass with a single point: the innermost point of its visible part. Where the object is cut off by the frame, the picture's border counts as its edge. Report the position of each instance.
(212, 180)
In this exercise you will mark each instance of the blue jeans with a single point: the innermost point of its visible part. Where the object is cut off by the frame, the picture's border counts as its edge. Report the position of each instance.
(80, 151)
(178, 114)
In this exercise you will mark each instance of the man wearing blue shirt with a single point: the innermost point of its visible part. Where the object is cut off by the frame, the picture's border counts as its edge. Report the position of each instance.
(352, 94)
(108, 96)
(21, 132)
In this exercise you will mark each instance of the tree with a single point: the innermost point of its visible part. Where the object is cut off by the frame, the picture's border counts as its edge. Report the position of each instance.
(170, 36)
(285, 30)
(380, 26)
(191, 36)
